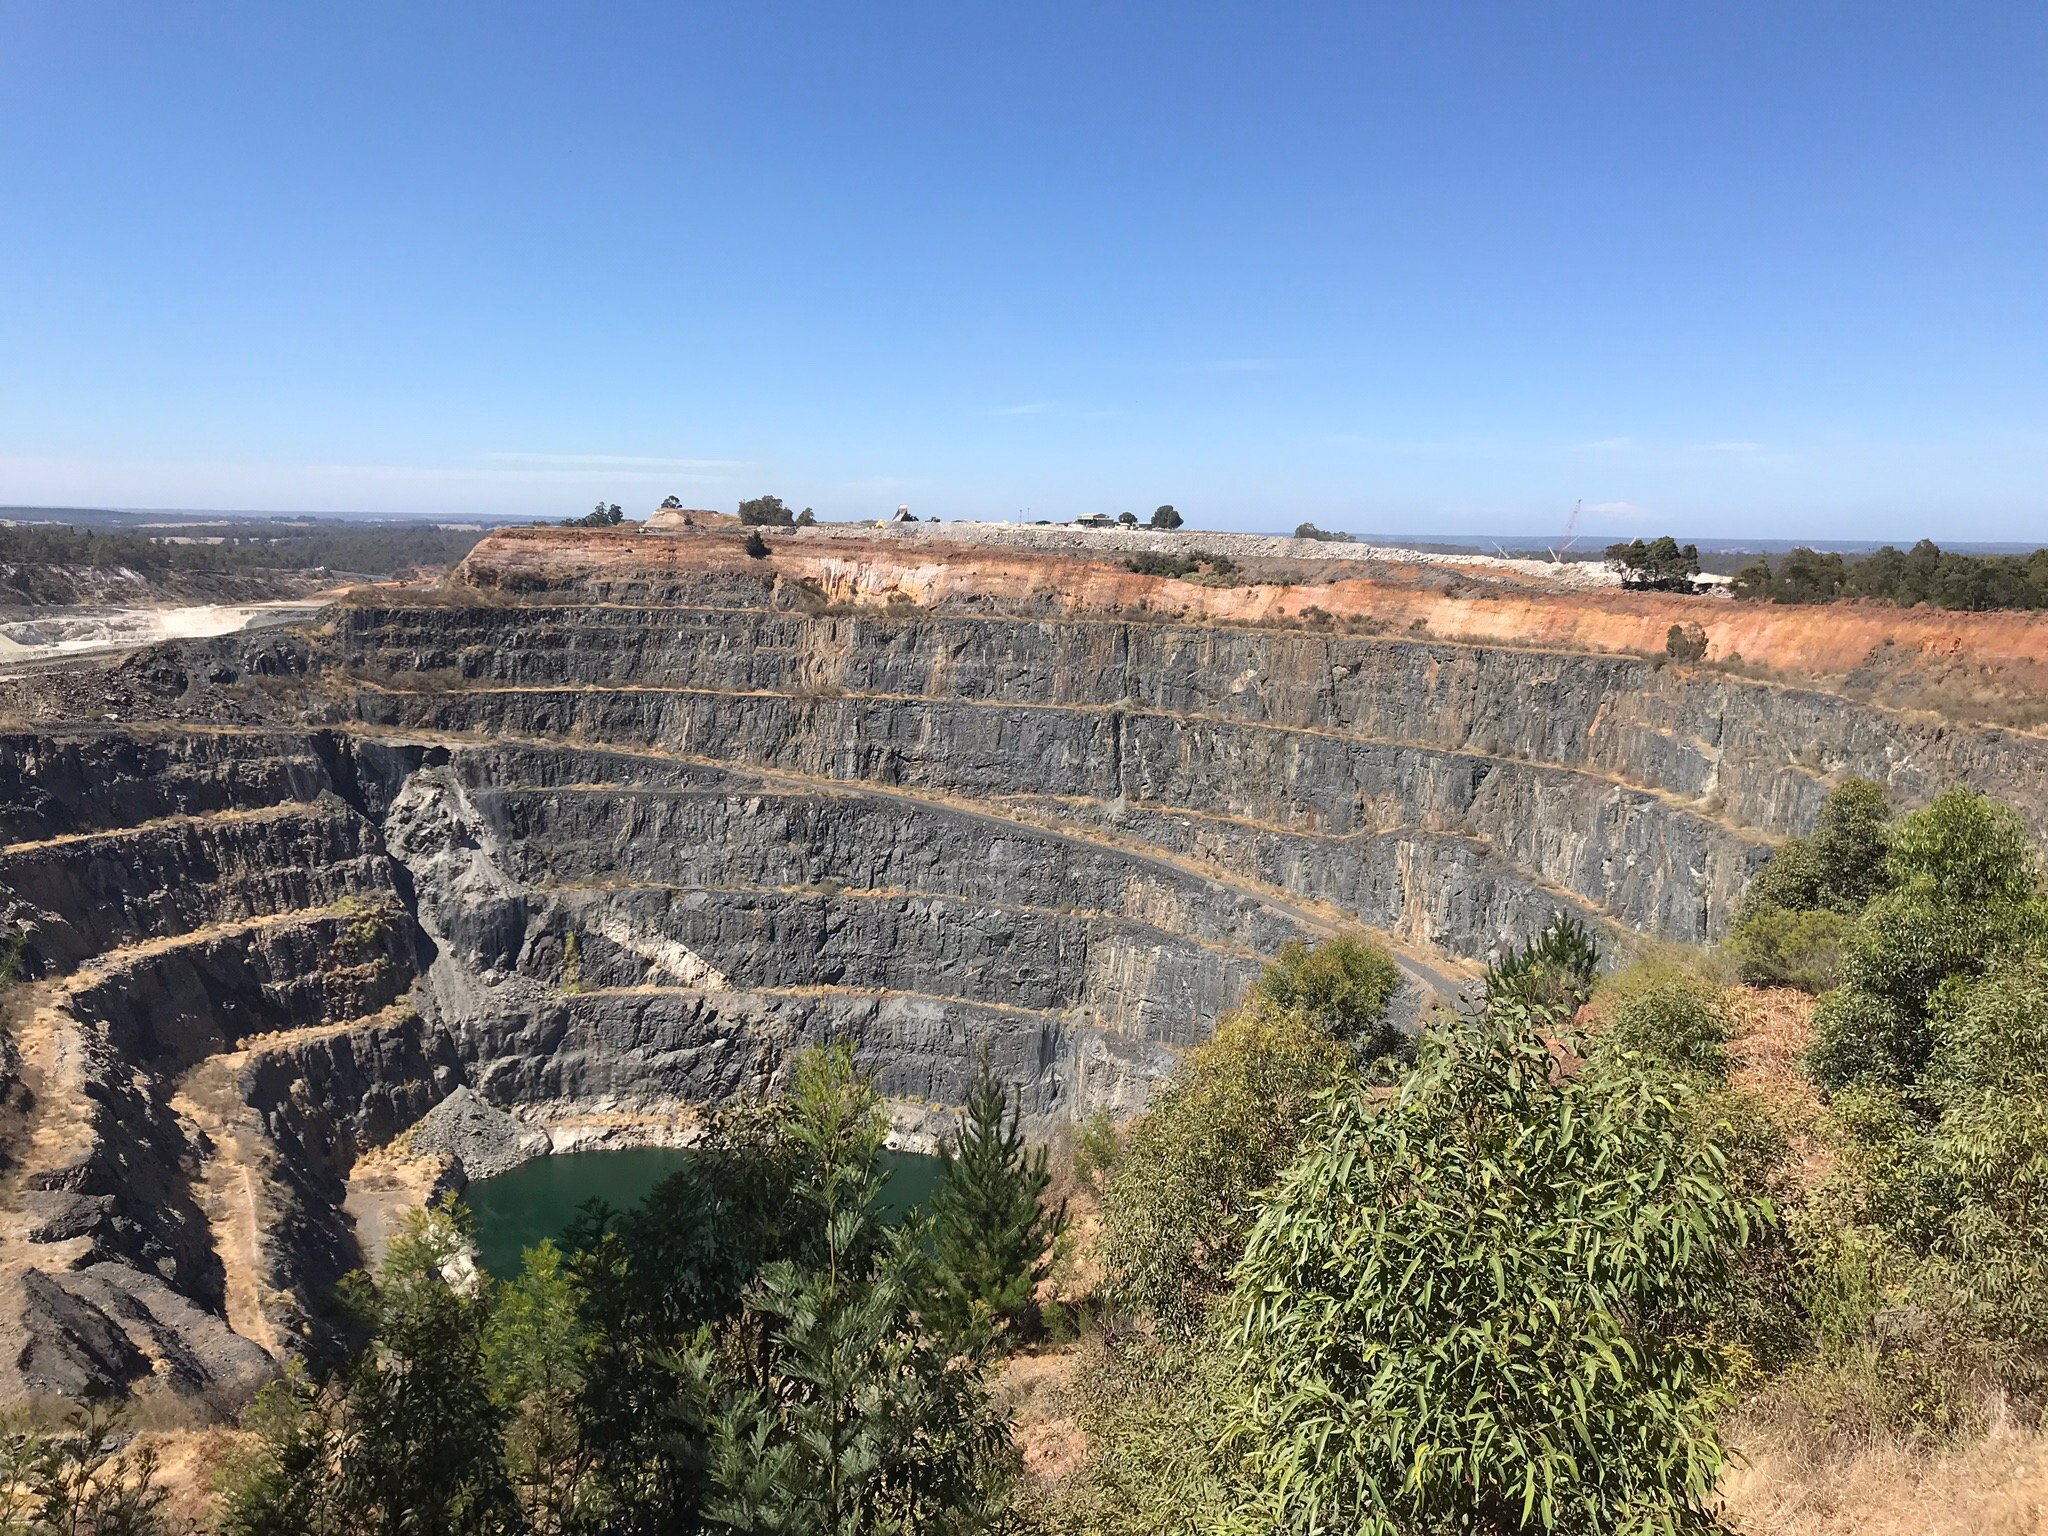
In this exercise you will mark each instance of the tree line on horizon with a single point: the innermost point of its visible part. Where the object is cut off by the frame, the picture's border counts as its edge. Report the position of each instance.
(1926, 573)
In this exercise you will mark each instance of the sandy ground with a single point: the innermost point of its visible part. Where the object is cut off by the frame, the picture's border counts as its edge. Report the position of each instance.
(76, 632)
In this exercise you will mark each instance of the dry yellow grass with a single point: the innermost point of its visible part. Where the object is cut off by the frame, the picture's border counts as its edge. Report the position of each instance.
(1996, 1486)
(1770, 1029)
(1792, 1480)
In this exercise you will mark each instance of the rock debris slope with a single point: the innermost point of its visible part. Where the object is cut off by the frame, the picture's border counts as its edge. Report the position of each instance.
(604, 833)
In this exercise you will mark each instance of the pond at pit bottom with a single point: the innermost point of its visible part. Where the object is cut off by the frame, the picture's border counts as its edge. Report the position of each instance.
(538, 1199)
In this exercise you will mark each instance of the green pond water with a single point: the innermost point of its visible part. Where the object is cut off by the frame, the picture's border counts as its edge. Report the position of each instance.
(539, 1198)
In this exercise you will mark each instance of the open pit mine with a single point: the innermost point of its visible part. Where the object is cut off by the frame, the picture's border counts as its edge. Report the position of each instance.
(604, 828)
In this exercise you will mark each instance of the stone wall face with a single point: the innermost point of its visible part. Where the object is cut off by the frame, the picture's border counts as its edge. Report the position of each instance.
(608, 856)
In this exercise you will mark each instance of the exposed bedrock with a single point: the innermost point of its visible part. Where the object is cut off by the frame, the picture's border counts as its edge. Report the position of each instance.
(1764, 750)
(714, 923)
(594, 865)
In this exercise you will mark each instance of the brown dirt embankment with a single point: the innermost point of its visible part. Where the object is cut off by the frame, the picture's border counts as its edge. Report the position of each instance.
(1970, 665)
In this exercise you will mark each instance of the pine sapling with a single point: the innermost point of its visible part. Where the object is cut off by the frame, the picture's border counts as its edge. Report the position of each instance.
(991, 1232)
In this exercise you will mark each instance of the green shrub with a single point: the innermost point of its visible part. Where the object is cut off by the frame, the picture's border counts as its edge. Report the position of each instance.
(1927, 1262)
(1685, 642)
(1155, 1414)
(410, 1437)
(1841, 867)
(1774, 947)
(1552, 971)
(849, 1417)
(766, 512)
(991, 1232)
(1964, 895)
(1181, 1197)
(745, 1352)
(1661, 565)
(1097, 1147)
(1488, 1304)
(1986, 1166)
(1665, 1016)
(1149, 564)
(1935, 1050)
(1861, 1037)
(1344, 984)
(13, 954)
(82, 1479)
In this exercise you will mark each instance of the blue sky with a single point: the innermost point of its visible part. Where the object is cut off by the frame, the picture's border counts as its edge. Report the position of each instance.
(1730, 269)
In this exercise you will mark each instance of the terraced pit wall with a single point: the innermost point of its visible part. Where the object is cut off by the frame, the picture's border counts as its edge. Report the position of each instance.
(608, 849)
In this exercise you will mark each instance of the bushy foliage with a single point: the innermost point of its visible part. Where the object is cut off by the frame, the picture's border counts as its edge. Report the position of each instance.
(417, 1437)
(1661, 565)
(1323, 535)
(1166, 517)
(13, 953)
(744, 1352)
(1926, 1254)
(289, 1480)
(534, 1358)
(1987, 1164)
(1156, 1415)
(1685, 642)
(1151, 563)
(852, 1419)
(1965, 894)
(1487, 1304)
(1773, 947)
(1344, 984)
(1841, 867)
(1182, 1196)
(1926, 573)
(1552, 971)
(991, 1231)
(79, 1479)
(1666, 1016)
(766, 512)
(1799, 575)
(601, 516)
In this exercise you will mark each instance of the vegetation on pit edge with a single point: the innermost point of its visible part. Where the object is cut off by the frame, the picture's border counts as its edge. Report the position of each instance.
(1926, 573)
(1509, 1277)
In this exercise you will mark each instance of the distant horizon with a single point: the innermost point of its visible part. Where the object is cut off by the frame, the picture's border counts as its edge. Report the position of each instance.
(1734, 266)
(1582, 547)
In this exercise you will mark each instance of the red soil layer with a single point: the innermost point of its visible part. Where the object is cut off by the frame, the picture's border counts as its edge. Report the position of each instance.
(2006, 651)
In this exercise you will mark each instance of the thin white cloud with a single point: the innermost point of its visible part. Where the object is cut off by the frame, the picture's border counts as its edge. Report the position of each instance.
(1627, 511)
(1035, 408)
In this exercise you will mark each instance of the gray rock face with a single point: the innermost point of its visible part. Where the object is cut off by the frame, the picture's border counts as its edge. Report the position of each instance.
(469, 871)
(477, 1136)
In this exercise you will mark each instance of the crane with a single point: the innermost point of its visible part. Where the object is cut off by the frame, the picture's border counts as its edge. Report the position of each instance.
(1570, 528)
